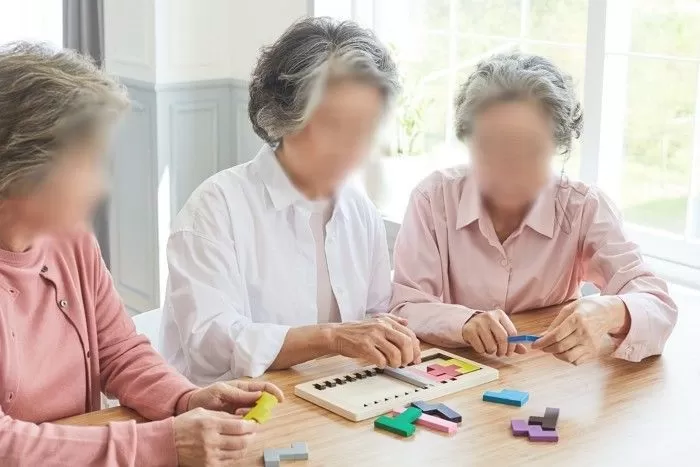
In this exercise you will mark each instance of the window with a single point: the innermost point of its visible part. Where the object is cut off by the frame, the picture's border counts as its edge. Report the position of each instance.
(34, 20)
(636, 66)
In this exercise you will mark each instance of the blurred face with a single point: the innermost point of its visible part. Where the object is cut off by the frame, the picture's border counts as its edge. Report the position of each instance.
(512, 147)
(339, 134)
(68, 195)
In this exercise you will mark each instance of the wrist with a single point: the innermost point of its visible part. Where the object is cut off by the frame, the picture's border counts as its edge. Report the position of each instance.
(325, 338)
(616, 313)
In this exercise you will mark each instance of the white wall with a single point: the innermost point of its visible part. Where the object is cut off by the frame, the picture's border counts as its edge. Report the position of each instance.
(169, 41)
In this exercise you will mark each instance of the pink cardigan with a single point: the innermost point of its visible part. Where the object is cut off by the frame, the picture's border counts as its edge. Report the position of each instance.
(65, 279)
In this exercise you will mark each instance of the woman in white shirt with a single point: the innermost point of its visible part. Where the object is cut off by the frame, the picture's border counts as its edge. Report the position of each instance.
(268, 258)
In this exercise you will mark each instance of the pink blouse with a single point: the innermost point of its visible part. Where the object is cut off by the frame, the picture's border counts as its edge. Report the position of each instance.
(64, 337)
(449, 262)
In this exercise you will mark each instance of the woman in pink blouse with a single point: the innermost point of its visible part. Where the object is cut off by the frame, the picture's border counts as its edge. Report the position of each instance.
(64, 334)
(506, 236)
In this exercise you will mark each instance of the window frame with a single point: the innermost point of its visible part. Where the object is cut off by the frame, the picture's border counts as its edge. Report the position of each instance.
(671, 252)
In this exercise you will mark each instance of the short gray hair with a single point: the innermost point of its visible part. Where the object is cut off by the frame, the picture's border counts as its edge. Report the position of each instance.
(48, 99)
(517, 75)
(290, 75)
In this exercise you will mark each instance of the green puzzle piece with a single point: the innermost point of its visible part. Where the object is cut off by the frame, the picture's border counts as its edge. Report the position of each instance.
(401, 424)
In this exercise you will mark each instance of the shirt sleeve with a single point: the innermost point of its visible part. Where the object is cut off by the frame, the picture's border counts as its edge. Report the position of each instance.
(118, 444)
(420, 278)
(205, 297)
(379, 293)
(615, 265)
(130, 368)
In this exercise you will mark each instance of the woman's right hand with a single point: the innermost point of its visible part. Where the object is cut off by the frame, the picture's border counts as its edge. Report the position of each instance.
(381, 340)
(488, 332)
(204, 438)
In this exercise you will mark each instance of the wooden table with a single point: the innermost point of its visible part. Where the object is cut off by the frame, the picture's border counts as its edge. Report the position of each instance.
(612, 413)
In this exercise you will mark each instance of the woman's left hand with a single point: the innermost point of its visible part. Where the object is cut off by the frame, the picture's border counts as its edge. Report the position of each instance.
(235, 397)
(581, 331)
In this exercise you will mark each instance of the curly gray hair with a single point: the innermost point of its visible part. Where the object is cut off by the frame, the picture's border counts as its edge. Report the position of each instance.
(517, 75)
(289, 78)
(49, 99)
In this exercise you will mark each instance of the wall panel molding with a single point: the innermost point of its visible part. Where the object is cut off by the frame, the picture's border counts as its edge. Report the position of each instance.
(176, 136)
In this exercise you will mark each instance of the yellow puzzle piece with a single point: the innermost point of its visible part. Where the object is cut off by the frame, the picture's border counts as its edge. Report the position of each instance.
(464, 367)
(263, 407)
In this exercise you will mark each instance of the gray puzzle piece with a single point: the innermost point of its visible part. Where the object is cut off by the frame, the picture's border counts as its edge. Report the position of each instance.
(273, 456)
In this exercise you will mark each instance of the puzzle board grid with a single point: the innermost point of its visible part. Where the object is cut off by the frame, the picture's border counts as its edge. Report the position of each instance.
(367, 392)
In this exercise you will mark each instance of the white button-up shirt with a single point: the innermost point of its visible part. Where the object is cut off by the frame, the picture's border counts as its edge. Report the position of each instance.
(242, 269)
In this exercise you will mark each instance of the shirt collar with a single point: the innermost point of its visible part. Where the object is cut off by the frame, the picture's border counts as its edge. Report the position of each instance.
(540, 218)
(280, 188)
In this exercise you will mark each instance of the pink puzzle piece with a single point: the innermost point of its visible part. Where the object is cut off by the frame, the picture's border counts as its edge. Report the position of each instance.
(423, 374)
(444, 373)
(434, 423)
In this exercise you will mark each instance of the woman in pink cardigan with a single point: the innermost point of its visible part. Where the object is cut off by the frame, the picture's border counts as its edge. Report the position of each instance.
(506, 236)
(64, 334)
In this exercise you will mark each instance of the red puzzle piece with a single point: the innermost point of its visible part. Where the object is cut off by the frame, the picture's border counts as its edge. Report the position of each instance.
(444, 373)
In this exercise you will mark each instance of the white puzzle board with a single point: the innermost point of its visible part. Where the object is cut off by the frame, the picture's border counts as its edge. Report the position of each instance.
(377, 393)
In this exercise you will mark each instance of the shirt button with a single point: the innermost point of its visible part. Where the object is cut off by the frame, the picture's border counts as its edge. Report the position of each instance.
(12, 333)
(504, 262)
(63, 303)
(10, 396)
(88, 354)
(44, 269)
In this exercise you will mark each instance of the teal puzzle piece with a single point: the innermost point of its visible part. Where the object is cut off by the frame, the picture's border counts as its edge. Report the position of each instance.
(507, 397)
(402, 424)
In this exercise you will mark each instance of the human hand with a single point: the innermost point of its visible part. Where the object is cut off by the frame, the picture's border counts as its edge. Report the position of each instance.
(232, 396)
(581, 330)
(488, 332)
(208, 438)
(382, 340)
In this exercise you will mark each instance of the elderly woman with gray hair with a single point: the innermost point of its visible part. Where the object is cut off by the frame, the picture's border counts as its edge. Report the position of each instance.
(64, 333)
(506, 236)
(279, 261)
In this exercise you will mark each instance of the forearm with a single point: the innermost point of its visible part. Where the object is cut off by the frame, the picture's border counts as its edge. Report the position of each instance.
(304, 343)
(123, 443)
(436, 323)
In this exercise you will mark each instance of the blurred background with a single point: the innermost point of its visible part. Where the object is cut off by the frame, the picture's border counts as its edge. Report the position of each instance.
(186, 64)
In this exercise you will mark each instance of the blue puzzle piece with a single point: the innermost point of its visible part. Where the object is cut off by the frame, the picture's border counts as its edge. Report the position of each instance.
(507, 397)
(522, 338)
(438, 410)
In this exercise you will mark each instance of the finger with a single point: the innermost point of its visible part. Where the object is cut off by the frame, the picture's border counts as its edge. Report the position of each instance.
(411, 351)
(391, 352)
(235, 396)
(488, 340)
(235, 442)
(501, 338)
(253, 385)
(585, 358)
(520, 349)
(473, 339)
(568, 343)
(375, 357)
(236, 427)
(556, 334)
(403, 344)
(398, 319)
(510, 330)
(572, 355)
(242, 411)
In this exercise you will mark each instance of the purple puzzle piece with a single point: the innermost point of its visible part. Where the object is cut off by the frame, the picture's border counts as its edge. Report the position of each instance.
(536, 433)
(519, 427)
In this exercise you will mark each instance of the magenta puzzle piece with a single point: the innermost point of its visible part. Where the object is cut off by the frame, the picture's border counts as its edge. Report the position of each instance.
(536, 433)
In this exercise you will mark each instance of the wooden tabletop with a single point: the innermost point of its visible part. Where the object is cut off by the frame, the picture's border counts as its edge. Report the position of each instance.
(613, 413)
